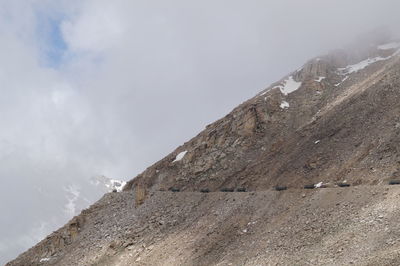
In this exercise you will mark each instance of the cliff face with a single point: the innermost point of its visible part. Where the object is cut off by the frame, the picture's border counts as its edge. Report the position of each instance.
(334, 120)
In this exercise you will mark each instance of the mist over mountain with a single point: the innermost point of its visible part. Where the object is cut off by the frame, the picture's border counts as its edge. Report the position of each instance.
(94, 88)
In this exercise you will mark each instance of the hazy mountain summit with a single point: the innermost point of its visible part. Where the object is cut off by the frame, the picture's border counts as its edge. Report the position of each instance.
(332, 126)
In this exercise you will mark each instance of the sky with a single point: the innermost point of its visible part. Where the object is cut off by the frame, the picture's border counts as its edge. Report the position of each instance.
(98, 87)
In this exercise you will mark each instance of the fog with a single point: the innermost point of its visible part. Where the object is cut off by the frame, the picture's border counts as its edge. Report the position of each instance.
(99, 87)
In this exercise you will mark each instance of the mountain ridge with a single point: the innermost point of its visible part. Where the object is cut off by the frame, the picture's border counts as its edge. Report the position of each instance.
(255, 113)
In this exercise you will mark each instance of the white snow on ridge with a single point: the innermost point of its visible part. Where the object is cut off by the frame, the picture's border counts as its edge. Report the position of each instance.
(180, 156)
(284, 104)
(290, 85)
(319, 79)
(44, 259)
(389, 46)
(346, 71)
(361, 65)
(116, 184)
(108, 183)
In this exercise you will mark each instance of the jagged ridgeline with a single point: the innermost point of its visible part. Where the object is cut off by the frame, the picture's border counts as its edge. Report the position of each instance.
(304, 173)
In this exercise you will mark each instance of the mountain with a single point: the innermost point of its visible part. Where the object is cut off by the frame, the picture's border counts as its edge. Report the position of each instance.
(332, 126)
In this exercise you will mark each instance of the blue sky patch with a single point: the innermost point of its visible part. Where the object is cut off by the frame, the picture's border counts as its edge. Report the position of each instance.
(52, 46)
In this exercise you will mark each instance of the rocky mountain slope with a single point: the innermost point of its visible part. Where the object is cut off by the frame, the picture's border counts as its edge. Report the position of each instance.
(333, 121)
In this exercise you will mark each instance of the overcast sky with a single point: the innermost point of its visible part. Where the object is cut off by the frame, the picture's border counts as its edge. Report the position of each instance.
(92, 87)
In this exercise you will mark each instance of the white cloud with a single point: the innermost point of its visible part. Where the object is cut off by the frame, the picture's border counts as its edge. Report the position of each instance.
(3, 247)
(72, 197)
(95, 29)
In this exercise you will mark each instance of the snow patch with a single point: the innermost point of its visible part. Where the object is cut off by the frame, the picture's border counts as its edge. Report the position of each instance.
(389, 46)
(109, 183)
(284, 104)
(350, 69)
(289, 86)
(115, 185)
(44, 259)
(359, 66)
(363, 64)
(319, 79)
(317, 141)
(318, 185)
(180, 156)
(343, 80)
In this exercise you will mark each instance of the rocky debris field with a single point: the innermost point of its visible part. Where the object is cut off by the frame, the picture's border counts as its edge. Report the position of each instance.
(327, 226)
